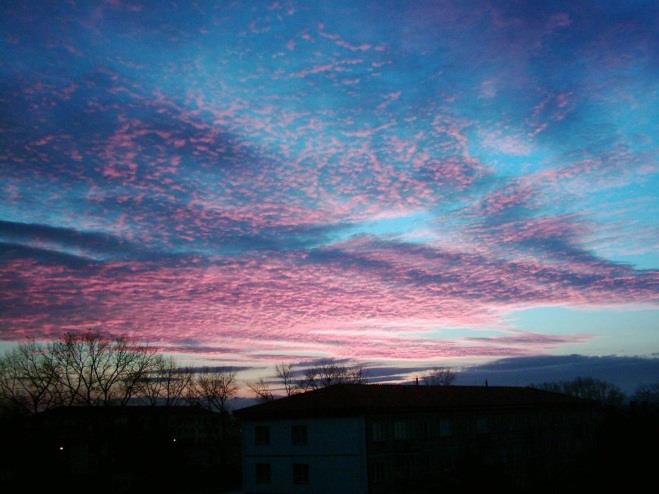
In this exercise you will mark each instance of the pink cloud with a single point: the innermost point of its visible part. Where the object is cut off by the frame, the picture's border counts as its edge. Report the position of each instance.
(287, 297)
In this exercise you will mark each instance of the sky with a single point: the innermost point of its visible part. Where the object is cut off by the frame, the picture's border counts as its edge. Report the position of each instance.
(392, 182)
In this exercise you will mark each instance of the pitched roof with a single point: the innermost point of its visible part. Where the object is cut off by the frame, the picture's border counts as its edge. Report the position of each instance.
(360, 399)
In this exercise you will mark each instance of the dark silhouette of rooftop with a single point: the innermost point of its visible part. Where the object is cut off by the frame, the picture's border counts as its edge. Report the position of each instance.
(357, 399)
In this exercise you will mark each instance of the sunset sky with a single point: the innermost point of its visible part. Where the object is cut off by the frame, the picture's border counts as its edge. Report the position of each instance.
(399, 183)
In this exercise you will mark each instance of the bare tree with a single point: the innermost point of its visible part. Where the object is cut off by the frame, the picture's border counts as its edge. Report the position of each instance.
(141, 362)
(93, 369)
(439, 376)
(167, 385)
(284, 373)
(213, 389)
(88, 369)
(329, 373)
(27, 378)
(261, 390)
(120, 368)
(647, 394)
(587, 388)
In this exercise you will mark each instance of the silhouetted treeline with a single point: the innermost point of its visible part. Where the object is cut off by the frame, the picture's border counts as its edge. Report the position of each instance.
(299, 378)
(602, 392)
(91, 369)
(65, 424)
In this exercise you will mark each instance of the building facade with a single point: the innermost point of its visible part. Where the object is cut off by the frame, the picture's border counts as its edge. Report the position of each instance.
(391, 438)
(305, 455)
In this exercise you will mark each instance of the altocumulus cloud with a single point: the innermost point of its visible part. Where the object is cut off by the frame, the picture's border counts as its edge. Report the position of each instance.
(339, 181)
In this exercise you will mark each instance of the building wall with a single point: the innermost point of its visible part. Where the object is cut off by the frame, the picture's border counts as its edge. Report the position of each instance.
(335, 453)
(420, 452)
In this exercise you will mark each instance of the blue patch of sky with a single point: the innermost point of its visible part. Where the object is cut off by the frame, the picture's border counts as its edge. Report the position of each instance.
(626, 330)
(634, 208)
(648, 260)
(402, 227)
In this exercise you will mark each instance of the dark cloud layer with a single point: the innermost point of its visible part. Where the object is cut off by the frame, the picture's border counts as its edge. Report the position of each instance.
(626, 372)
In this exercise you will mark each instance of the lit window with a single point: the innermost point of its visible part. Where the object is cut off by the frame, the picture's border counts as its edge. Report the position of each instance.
(299, 434)
(261, 435)
(300, 473)
(263, 473)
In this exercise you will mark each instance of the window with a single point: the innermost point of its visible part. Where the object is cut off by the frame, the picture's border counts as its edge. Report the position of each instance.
(445, 428)
(378, 471)
(404, 466)
(378, 431)
(482, 425)
(261, 435)
(263, 473)
(422, 430)
(299, 434)
(401, 430)
(424, 464)
(300, 473)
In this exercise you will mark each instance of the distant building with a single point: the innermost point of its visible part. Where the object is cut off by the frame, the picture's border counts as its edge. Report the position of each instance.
(355, 438)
